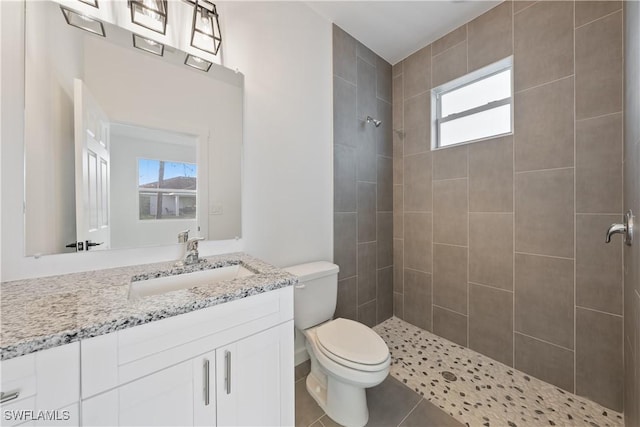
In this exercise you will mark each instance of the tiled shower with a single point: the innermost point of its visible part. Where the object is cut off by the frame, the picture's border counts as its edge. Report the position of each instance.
(499, 245)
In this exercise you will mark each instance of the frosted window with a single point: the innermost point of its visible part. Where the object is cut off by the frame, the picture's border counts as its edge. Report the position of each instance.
(478, 93)
(485, 124)
(473, 107)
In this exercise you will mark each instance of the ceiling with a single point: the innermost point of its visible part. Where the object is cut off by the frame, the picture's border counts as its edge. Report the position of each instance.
(396, 29)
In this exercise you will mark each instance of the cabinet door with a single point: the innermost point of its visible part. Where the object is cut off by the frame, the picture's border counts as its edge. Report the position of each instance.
(171, 397)
(255, 379)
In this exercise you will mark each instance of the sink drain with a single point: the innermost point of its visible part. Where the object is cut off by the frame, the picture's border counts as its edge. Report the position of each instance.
(449, 376)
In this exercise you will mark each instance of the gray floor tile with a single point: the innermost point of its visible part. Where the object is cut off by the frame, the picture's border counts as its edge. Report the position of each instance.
(390, 402)
(426, 414)
(302, 370)
(307, 410)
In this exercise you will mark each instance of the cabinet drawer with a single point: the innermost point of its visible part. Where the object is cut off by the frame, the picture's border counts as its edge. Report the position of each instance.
(43, 381)
(115, 359)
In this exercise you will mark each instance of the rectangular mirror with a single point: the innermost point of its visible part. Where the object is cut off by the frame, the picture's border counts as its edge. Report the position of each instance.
(124, 148)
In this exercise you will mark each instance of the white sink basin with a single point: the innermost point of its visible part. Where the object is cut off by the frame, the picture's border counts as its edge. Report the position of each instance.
(161, 285)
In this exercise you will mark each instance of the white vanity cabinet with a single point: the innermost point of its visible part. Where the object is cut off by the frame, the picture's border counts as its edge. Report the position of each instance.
(42, 388)
(231, 364)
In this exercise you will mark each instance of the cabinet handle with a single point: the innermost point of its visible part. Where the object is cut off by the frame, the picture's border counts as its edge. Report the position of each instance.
(227, 371)
(9, 396)
(206, 382)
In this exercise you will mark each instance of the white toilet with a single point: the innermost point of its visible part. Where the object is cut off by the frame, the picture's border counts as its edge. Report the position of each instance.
(346, 356)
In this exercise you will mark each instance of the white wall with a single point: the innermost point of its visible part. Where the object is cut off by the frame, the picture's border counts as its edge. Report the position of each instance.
(284, 51)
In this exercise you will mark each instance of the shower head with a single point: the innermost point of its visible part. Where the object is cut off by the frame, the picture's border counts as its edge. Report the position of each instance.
(370, 119)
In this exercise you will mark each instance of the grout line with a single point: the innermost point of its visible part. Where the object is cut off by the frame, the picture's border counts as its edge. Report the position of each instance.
(433, 282)
(545, 83)
(544, 341)
(451, 179)
(542, 255)
(489, 213)
(468, 241)
(490, 286)
(600, 116)
(317, 420)
(599, 311)
(513, 190)
(449, 48)
(345, 80)
(575, 264)
(544, 170)
(597, 214)
(521, 10)
(412, 409)
(452, 311)
(597, 19)
(449, 244)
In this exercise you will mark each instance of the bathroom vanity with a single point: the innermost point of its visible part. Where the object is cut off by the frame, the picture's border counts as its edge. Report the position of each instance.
(84, 349)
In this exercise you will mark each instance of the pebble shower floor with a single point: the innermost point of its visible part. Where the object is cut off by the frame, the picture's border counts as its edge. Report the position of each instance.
(486, 392)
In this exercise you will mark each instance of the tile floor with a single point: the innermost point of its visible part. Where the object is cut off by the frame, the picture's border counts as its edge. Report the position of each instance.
(391, 404)
(485, 392)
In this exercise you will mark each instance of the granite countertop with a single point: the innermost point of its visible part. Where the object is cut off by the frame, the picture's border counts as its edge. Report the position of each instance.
(41, 313)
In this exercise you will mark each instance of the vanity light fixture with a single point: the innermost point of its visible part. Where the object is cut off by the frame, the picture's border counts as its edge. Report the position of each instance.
(150, 14)
(148, 45)
(93, 3)
(205, 31)
(198, 63)
(78, 20)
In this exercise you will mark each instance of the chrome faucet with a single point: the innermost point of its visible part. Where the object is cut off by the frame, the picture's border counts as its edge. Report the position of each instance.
(626, 228)
(192, 256)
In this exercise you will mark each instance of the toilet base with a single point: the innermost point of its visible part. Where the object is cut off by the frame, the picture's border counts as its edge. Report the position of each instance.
(344, 403)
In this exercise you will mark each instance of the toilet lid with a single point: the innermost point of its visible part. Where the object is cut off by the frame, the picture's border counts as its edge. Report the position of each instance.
(352, 341)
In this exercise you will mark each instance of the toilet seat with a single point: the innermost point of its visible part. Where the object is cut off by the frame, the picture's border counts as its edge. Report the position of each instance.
(352, 345)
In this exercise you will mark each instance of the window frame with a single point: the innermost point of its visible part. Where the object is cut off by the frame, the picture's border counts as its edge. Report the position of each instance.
(468, 79)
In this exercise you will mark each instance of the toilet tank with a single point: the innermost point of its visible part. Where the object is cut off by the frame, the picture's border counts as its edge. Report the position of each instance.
(316, 293)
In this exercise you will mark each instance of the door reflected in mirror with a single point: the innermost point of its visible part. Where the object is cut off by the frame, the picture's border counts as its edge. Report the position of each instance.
(123, 148)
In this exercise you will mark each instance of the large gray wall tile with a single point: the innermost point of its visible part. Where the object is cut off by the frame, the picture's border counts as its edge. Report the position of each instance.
(491, 249)
(417, 183)
(384, 133)
(449, 65)
(383, 77)
(345, 125)
(398, 265)
(599, 364)
(450, 325)
(366, 154)
(344, 243)
(543, 50)
(417, 241)
(599, 63)
(367, 103)
(449, 40)
(450, 162)
(450, 277)
(491, 36)
(544, 361)
(544, 126)
(398, 211)
(385, 239)
(385, 184)
(545, 212)
(599, 165)
(367, 272)
(588, 11)
(417, 72)
(347, 303)
(417, 298)
(544, 301)
(450, 212)
(491, 322)
(344, 55)
(366, 212)
(344, 183)
(598, 265)
(367, 313)
(384, 298)
(491, 175)
(417, 124)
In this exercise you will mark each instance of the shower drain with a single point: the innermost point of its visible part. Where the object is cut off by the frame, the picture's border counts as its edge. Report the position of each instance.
(449, 376)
